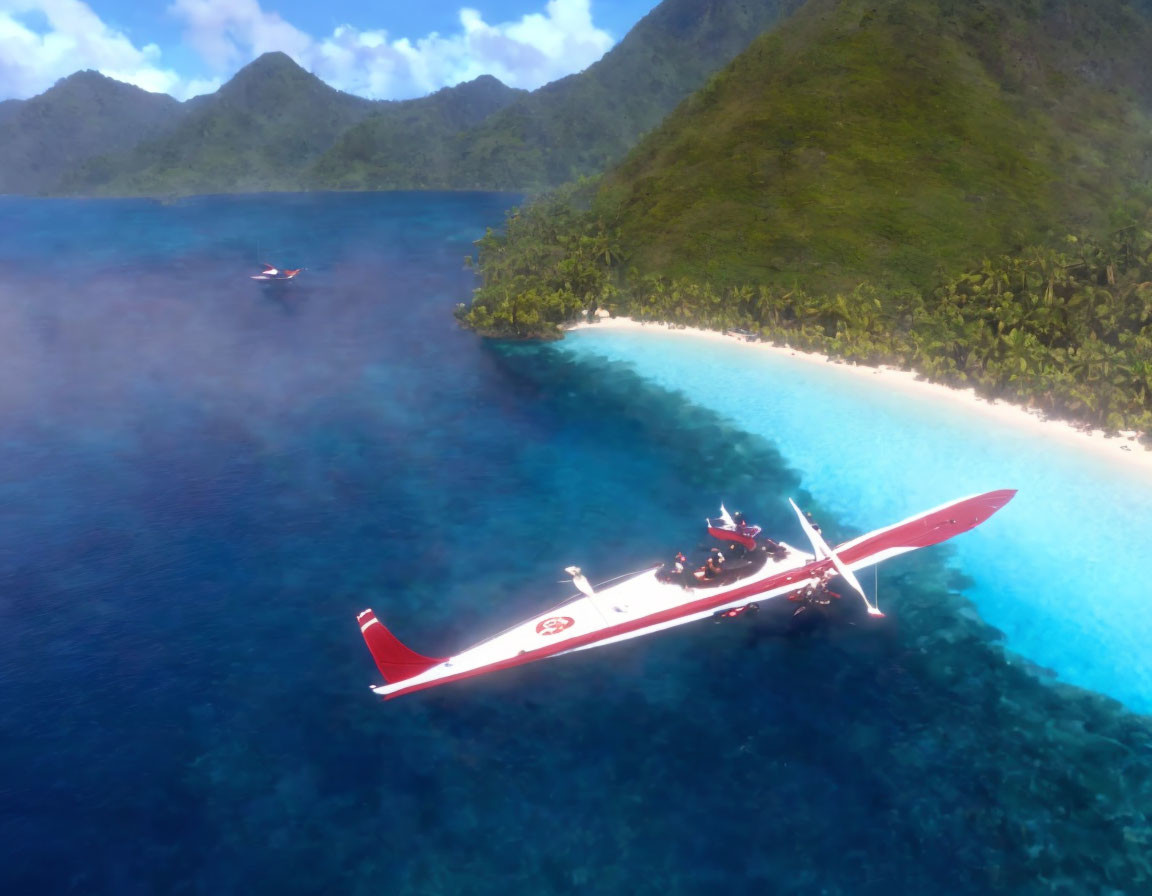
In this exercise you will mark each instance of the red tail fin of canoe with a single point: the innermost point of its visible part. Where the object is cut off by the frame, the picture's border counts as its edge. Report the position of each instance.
(395, 661)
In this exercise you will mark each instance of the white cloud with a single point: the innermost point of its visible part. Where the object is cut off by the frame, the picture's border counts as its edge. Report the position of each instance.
(198, 86)
(229, 33)
(532, 51)
(44, 40)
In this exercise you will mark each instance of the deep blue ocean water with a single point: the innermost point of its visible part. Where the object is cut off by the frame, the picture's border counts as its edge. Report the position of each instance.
(203, 481)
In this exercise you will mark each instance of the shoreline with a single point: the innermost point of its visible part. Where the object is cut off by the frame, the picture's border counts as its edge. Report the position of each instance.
(1123, 451)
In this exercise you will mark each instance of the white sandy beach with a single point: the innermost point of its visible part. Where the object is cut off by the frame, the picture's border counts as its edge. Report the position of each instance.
(1120, 452)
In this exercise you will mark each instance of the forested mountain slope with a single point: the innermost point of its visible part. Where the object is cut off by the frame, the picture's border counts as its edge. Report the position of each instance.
(409, 145)
(894, 140)
(83, 115)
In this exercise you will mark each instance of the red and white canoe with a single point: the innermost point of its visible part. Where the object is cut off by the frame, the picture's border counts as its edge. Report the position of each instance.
(272, 274)
(641, 604)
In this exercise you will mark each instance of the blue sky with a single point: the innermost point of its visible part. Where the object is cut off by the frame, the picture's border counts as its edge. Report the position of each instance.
(389, 49)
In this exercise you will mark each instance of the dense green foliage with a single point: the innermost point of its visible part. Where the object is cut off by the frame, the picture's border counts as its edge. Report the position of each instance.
(551, 263)
(572, 127)
(1066, 330)
(83, 115)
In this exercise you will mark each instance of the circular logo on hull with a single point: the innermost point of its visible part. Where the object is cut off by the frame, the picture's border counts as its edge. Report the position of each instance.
(553, 625)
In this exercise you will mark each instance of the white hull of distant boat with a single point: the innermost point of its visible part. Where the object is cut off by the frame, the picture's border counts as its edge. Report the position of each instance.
(643, 603)
(272, 274)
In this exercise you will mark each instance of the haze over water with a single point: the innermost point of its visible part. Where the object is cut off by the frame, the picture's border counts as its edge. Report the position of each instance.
(203, 481)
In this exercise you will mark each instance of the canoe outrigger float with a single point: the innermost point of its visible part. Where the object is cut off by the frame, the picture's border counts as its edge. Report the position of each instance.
(658, 598)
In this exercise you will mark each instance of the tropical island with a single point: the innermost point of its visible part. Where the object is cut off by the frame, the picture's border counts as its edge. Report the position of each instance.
(932, 185)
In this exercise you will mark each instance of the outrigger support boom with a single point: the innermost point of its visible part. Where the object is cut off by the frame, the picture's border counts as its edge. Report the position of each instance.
(822, 550)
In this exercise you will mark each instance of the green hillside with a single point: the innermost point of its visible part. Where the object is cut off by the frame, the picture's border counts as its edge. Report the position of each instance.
(410, 144)
(259, 131)
(892, 180)
(571, 127)
(83, 115)
(893, 141)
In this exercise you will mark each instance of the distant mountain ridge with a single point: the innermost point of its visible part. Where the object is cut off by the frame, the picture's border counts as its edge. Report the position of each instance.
(409, 144)
(575, 126)
(276, 127)
(267, 126)
(81, 116)
(257, 132)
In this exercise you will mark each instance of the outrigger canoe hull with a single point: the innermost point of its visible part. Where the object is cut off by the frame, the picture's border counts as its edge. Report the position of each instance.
(643, 604)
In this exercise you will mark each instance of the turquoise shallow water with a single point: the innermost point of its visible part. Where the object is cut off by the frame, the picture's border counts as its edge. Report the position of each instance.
(1063, 571)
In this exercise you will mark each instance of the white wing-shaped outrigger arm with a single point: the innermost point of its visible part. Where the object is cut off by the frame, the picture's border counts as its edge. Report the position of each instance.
(580, 580)
(819, 546)
(585, 587)
(822, 550)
